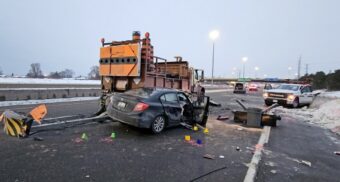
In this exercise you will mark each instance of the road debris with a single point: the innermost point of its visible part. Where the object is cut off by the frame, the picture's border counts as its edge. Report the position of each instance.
(221, 156)
(307, 163)
(106, 140)
(84, 136)
(38, 139)
(187, 137)
(206, 131)
(198, 141)
(220, 117)
(195, 128)
(337, 152)
(238, 148)
(273, 171)
(209, 156)
(239, 129)
(113, 135)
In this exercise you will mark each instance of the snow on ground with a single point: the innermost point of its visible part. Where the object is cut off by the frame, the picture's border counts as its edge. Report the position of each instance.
(335, 94)
(326, 115)
(45, 101)
(48, 81)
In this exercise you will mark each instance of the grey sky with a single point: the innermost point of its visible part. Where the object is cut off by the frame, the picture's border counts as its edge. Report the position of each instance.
(271, 33)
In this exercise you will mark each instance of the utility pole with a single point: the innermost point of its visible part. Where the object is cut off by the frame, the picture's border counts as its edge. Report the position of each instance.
(299, 67)
(306, 69)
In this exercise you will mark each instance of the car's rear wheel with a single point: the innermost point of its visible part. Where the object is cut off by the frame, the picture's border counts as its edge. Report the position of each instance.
(296, 103)
(158, 124)
(268, 103)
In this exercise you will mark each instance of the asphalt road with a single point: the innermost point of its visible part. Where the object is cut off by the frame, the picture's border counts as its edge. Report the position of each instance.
(134, 155)
(137, 155)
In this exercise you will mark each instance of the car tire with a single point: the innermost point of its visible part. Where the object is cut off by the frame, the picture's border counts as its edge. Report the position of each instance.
(268, 103)
(158, 124)
(296, 103)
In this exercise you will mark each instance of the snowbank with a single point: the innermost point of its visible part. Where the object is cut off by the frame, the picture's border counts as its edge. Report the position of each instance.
(335, 94)
(326, 115)
(48, 81)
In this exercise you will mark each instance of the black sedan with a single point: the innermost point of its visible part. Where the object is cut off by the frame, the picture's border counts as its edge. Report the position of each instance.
(156, 108)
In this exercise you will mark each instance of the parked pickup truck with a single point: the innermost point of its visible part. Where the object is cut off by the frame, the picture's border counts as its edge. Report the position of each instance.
(293, 95)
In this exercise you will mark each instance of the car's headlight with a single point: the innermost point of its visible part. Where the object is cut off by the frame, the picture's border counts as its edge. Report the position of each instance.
(265, 95)
(291, 97)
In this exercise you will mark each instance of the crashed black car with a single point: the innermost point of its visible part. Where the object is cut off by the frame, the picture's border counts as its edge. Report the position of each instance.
(157, 108)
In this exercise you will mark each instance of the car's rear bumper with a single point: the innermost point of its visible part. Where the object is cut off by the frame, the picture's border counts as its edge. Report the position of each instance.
(140, 119)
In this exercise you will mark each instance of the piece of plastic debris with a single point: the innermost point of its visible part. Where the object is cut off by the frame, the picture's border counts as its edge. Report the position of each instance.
(87, 176)
(240, 129)
(208, 156)
(38, 139)
(78, 140)
(206, 131)
(307, 163)
(238, 148)
(221, 156)
(187, 138)
(84, 136)
(106, 140)
(199, 141)
(113, 135)
(220, 117)
(273, 171)
(337, 152)
(195, 128)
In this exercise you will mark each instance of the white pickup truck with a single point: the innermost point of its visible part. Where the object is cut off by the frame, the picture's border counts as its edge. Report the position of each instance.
(293, 95)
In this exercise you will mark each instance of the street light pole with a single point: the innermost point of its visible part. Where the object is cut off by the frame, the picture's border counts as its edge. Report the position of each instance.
(213, 60)
(213, 36)
(244, 60)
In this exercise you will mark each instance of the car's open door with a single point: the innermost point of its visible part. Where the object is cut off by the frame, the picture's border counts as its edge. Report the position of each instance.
(201, 111)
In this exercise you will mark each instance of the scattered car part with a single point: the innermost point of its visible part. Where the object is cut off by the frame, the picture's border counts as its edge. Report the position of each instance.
(256, 117)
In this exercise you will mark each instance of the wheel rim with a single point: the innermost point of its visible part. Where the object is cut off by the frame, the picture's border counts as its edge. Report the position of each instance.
(159, 124)
(295, 103)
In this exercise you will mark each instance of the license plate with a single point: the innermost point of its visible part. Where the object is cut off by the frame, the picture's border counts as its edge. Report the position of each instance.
(275, 101)
(121, 104)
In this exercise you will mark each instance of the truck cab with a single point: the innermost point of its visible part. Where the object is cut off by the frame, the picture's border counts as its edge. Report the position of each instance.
(293, 95)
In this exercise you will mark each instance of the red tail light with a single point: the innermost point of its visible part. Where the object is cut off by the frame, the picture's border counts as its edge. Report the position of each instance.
(141, 107)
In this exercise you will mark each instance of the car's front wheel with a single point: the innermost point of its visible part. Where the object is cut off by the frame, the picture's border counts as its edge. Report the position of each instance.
(296, 103)
(268, 103)
(158, 124)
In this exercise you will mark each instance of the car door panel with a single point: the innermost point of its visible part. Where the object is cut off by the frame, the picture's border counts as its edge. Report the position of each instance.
(172, 110)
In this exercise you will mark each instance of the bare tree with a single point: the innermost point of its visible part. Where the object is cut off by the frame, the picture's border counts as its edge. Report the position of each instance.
(1, 71)
(35, 71)
(54, 75)
(94, 73)
(67, 73)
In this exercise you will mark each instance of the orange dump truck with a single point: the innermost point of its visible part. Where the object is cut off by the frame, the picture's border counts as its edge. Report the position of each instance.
(131, 64)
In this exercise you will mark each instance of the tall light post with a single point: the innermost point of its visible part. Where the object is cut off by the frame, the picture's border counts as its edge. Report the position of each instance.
(244, 60)
(289, 70)
(256, 69)
(213, 36)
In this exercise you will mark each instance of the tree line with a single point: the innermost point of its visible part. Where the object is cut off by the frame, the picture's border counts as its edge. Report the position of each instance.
(320, 80)
(35, 71)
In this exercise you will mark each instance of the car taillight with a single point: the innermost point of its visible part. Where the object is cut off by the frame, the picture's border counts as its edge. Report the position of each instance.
(141, 107)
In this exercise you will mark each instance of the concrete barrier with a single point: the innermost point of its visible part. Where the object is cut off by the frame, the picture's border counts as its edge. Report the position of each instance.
(16, 94)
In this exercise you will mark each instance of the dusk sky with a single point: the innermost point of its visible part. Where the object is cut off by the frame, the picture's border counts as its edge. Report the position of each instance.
(271, 33)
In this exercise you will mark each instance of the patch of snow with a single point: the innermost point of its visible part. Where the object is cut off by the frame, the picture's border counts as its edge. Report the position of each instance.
(327, 115)
(334, 94)
(47, 81)
(46, 101)
(69, 88)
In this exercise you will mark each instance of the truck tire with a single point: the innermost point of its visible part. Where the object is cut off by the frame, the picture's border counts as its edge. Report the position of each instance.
(158, 124)
(296, 103)
(268, 103)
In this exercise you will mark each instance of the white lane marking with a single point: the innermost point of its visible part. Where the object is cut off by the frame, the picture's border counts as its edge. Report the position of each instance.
(215, 91)
(253, 166)
(46, 101)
